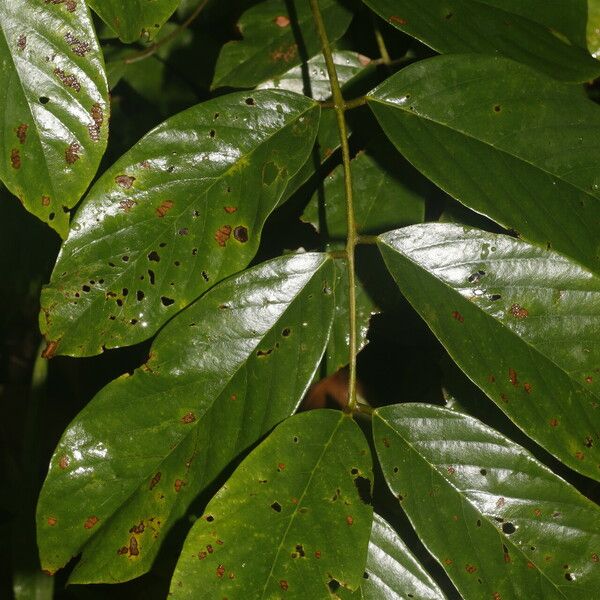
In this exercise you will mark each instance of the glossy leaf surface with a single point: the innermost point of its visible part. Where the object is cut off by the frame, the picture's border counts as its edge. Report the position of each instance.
(54, 105)
(392, 572)
(294, 519)
(520, 321)
(180, 211)
(593, 28)
(347, 65)
(269, 46)
(219, 376)
(549, 40)
(135, 19)
(511, 528)
(505, 141)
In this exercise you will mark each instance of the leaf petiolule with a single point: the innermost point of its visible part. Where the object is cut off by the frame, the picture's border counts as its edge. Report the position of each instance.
(522, 322)
(220, 375)
(542, 35)
(309, 485)
(505, 141)
(276, 35)
(55, 107)
(134, 20)
(511, 528)
(180, 211)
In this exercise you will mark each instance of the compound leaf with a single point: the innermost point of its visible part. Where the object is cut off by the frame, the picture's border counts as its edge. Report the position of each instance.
(511, 528)
(54, 105)
(521, 321)
(294, 519)
(219, 376)
(505, 141)
(180, 211)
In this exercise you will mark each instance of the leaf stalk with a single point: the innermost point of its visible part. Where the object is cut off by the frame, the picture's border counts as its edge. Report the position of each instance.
(340, 107)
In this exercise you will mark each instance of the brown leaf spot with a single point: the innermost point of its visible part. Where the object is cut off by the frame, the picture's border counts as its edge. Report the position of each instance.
(285, 53)
(512, 376)
(281, 21)
(349, 520)
(230, 209)
(448, 561)
(456, 315)
(579, 455)
(70, 4)
(179, 483)
(164, 208)
(318, 554)
(133, 547)
(496, 596)
(127, 204)
(518, 312)
(15, 158)
(122, 550)
(451, 470)
(589, 379)
(202, 555)
(69, 80)
(220, 571)
(386, 442)
(222, 235)
(188, 418)
(471, 569)
(21, 132)
(63, 463)
(72, 153)
(209, 549)
(537, 512)
(530, 565)
(283, 584)
(22, 42)
(154, 481)
(240, 233)
(90, 522)
(491, 379)
(527, 387)
(80, 48)
(50, 349)
(500, 502)
(52, 521)
(97, 115)
(45, 200)
(281, 467)
(125, 181)
(138, 528)
(595, 558)
(397, 20)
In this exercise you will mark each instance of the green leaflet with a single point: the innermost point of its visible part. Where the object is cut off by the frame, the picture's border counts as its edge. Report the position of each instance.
(180, 211)
(135, 19)
(293, 520)
(505, 141)
(347, 65)
(392, 571)
(54, 105)
(541, 34)
(269, 46)
(220, 375)
(520, 321)
(509, 527)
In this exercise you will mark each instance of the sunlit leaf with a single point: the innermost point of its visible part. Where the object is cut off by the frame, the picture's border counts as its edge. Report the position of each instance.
(521, 321)
(294, 519)
(500, 523)
(54, 105)
(219, 376)
(505, 141)
(180, 211)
